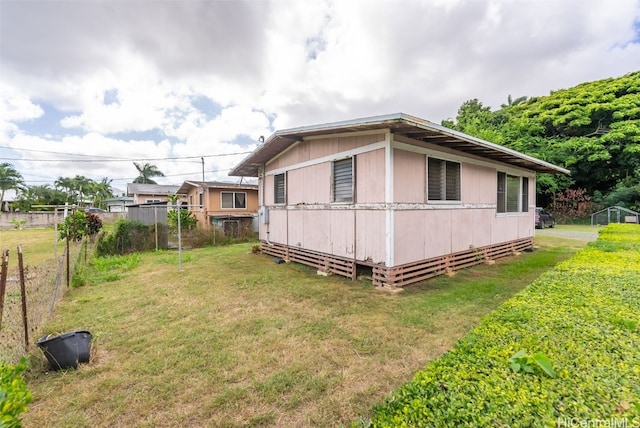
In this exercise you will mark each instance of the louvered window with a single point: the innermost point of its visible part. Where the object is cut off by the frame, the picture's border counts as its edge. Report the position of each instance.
(279, 189)
(525, 194)
(443, 180)
(343, 180)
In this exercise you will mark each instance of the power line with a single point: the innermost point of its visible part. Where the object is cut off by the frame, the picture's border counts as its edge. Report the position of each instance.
(177, 158)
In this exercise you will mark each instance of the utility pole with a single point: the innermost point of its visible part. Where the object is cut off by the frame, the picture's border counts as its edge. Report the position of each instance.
(202, 171)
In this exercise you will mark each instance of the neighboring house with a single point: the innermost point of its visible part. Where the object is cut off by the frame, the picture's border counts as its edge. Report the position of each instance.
(399, 196)
(118, 204)
(151, 193)
(232, 207)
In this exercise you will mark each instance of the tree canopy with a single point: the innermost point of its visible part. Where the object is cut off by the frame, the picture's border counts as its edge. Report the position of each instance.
(592, 129)
(10, 179)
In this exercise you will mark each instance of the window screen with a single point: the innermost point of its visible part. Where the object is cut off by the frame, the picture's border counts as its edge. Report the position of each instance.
(227, 200)
(525, 194)
(240, 200)
(237, 200)
(513, 189)
(513, 193)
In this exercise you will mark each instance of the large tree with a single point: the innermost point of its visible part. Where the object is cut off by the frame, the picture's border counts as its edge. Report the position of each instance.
(147, 171)
(101, 191)
(10, 179)
(31, 196)
(592, 129)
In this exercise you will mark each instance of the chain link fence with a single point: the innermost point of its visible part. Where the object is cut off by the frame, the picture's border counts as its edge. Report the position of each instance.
(44, 284)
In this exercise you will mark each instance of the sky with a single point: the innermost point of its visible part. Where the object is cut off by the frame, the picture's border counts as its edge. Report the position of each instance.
(90, 87)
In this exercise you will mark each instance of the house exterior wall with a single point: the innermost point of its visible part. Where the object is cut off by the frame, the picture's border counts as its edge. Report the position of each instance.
(212, 203)
(390, 221)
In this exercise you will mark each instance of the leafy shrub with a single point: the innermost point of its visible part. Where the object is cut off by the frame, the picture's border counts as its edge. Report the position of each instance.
(74, 226)
(583, 317)
(94, 224)
(127, 237)
(14, 395)
(188, 220)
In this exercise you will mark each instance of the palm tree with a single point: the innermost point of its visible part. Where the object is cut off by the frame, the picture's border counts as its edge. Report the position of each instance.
(76, 188)
(39, 195)
(10, 179)
(66, 185)
(512, 102)
(147, 171)
(101, 191)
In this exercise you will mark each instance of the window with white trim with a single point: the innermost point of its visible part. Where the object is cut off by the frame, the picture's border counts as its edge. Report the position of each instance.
(279, 189)
(342, 180)
(513, 193)
(443, 180)
(234, 200)
(201, 199)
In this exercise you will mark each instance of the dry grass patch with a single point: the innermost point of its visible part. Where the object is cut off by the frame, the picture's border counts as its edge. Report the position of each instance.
(237, 340)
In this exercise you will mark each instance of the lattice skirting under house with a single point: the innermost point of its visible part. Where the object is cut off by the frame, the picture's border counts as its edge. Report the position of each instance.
(402, 275)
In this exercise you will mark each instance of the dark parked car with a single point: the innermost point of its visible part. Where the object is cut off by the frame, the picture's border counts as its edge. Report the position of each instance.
(544, 219)
(94, 210)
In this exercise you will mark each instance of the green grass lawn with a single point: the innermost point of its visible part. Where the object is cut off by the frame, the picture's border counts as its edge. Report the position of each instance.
(38, 245)
(236, 340)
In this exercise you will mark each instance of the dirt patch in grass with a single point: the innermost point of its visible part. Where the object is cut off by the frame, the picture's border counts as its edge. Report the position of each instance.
(236, 340)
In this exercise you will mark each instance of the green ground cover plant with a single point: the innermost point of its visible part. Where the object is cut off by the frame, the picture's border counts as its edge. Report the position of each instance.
(582, 318)
(14, 395)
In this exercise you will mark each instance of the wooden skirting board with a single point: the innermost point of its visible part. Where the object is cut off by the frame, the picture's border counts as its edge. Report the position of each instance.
(402, 275)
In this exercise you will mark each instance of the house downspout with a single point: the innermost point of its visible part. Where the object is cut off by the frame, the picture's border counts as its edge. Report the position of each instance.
(264, 206)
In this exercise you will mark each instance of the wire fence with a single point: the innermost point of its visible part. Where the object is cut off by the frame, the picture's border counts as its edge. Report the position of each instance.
(28, 295)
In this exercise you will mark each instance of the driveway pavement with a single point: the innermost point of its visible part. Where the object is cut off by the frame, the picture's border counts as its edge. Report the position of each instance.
(570, 234)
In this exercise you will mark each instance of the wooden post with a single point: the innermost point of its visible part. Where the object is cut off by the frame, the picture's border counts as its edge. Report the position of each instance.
(3, 280)
(23, 294)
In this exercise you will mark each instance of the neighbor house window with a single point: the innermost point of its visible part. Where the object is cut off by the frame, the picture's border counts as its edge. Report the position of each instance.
(513, 193)
(443, 180)
(342, 180)
(201, 199)
(234, 200)
(279, 189)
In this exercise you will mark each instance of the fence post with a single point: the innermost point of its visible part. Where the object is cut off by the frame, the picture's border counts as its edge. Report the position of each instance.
(68, 263)
(3, 280)
(23, 295)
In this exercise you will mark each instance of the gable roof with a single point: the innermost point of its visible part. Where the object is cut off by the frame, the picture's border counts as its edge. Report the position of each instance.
(151, 189)
(215, 185)
(398, 123)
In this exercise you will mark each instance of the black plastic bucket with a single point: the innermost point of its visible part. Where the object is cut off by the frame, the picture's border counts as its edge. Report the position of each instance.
(66, 350)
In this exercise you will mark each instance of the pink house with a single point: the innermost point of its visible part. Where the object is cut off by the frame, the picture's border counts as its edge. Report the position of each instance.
(397, 196)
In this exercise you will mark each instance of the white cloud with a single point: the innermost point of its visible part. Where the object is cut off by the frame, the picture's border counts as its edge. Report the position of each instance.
(123, 73)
